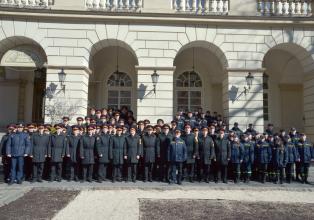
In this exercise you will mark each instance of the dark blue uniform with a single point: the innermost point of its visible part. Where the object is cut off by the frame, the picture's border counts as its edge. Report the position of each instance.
(292, 157)
(177, 154)
(17, 146)
(248, 159)
(263, 157)
(102, 151)
(236, 159)
(305, 150)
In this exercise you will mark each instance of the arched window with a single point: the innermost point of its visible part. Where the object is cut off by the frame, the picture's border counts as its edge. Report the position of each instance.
(189, 91)
(119, 90)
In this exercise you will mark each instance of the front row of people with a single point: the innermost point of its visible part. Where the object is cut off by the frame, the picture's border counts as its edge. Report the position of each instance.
(170, 152)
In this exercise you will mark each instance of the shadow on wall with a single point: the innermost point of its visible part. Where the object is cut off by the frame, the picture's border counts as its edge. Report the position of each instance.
(141, 91)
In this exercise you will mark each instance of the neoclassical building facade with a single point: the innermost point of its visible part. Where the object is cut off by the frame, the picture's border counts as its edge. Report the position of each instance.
(202, 51)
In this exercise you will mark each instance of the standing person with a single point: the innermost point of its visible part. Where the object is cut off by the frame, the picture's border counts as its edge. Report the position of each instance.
(177, 154)
(17, 147)
(39, 152)
(305, 150)
(150, 151)
(291, 158)
(207, 152)
(248, 157)
(134, 151)
(6, 160)
(279, 159)
(164, 141)
(72, 153)
(56, 151)
(117, 152)
(236, 157)
(223, 155)
(87, 148)
(264, 155)
(192, 152)
(102, 149)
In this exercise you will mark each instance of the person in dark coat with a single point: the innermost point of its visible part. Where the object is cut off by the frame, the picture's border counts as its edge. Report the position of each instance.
(17, 147)
(280, 158)
(56, 151)
(191, 143)
(223, 154)
(150, 151)
(87, 148)
(6, 160)
(134, 152)
(72, 149)
(236, 157)
(102, 150)
(177, 154)
(164, 141)
(39, 152)
(263, 156)
(248, 157)
(117, 152)
(306, 154)
(66, 125)
(292, 156)
(207, 152)
(28, 164)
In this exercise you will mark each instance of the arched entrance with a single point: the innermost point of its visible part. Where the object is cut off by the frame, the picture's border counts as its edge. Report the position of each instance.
(285, 100)
(198, 77)
(113, 82)
(22, 81)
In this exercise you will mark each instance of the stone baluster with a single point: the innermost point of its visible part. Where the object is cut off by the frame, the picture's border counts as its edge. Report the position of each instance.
(50, 2)
(193, 5)
(120, 4)
(89, 3)
(139, 4)
(24, 2)
(114, 4)
(108, 4)
(219, 6)
(44, 3)
(206, 6)
(298, 7)
(37, 2)
(291, 8)
(266, 7)
(214, 6)
(179, 5)
(303, 7)
(31, 2)
(309, 7)
(199, 5)
(260, 6)
(225, 6)
(95, 4)
(102, 4)
(127, 5)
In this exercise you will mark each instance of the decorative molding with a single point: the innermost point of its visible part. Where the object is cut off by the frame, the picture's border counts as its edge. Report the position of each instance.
(170, 68)
(88, 70)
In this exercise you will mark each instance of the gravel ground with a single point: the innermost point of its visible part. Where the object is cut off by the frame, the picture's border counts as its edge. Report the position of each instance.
(217, 209)
(37, 204)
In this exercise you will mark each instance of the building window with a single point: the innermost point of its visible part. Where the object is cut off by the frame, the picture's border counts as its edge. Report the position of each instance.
(265, 97)
(189, 91)
(119, 90)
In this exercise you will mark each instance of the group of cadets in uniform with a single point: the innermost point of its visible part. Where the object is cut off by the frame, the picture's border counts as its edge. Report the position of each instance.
(111, 145)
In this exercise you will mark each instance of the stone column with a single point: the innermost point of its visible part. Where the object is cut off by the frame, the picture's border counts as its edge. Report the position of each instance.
(21, 101)
(153, 106)
(74, 100)
(308, 92)
(241, 107)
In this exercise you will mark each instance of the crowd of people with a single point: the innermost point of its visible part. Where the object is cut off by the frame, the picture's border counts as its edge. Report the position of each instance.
(112, 145)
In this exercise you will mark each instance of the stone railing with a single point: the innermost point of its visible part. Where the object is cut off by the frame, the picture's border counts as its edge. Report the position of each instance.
(114, 5)
(285, 7)
(26, 3)
(202, 6)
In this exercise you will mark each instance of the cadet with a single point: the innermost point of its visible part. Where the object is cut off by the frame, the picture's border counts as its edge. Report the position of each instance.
(263, 156)
(236, 157)
(179, 121)
(56, 151)
(87, 148)
(102, 149)
(223, 155)
(73, 145)
(248, 157)
(39, 152)
(177, 154)
(117, 151)
(5, 160)
(134, 151)
(150, 151)
(292, 157)
(192, 152)
(305, 150)
(65, 121)
(164, 141)
(280, 158)
(190, 119)
(18, 147)
(206, 152)
(236, 129)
